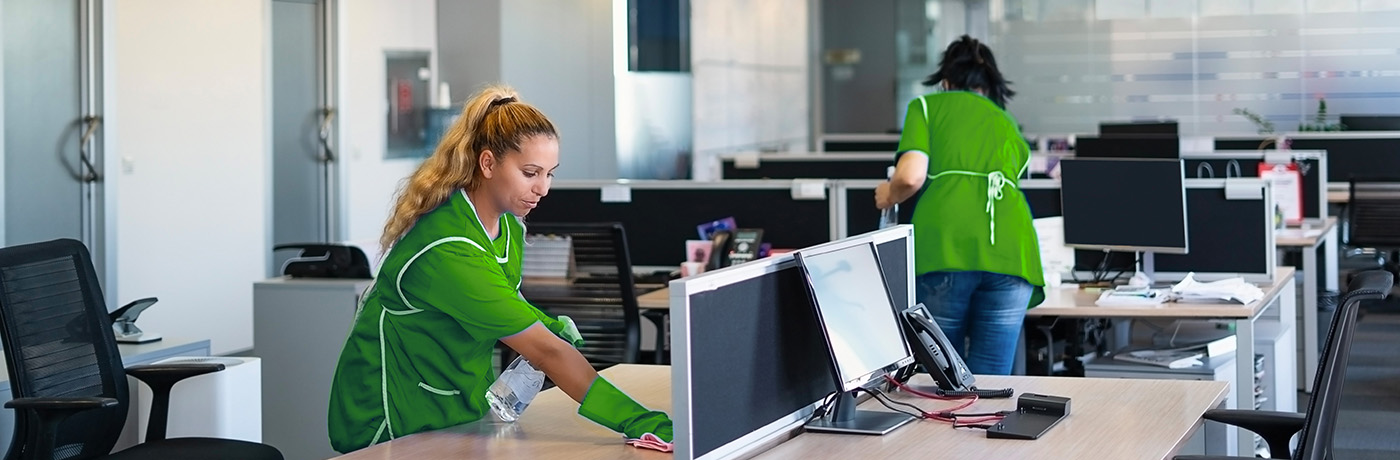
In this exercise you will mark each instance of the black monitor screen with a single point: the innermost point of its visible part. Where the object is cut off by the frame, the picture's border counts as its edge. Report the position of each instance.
(1347, 158)
(1139, 127)
(1128, 146)
(854, 306)
(1370, 122)
(1131, 205)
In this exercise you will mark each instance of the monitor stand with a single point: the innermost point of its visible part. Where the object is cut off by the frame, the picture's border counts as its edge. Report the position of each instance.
(844, 418)
(1146, 271)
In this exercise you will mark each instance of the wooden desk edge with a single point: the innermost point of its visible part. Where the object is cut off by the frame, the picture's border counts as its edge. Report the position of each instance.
(1282, 275)
(1308, 241)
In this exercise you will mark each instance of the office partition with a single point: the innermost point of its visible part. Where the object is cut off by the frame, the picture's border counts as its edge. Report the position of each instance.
(1231, 228)
(661, 215)
(857, 202)
(1313, 166)
(1349, 154)
(749, 360)
(844, 165)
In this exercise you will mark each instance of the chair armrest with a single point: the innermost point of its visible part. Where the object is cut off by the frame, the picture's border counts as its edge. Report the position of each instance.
(161, 378)
(53, 411)
(60, 404)
(1277, 428)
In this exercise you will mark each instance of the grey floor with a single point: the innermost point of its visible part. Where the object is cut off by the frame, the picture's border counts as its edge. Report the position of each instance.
(1370, 419)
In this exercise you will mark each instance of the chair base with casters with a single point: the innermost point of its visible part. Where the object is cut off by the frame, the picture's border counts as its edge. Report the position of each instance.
(70, 388)
(1315, 428)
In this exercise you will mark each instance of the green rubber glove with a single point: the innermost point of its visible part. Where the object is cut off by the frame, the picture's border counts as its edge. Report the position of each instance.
(608, 406)
(569, 331)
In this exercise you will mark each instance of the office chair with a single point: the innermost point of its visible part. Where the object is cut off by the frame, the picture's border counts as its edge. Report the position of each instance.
(1372, 225)
(1316, 427)
(66, 376)
(603, 300)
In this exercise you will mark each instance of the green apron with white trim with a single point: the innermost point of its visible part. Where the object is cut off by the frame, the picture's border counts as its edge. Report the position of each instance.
(971, 215)
(418, 356)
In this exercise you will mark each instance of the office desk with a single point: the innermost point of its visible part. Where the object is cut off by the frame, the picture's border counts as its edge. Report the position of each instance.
(659, 299)
(1070, 301)
(1312, 240)
(1111, 418)
(550, 428)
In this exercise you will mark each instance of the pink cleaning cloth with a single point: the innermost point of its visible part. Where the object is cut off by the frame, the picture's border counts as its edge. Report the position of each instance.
(651, 441)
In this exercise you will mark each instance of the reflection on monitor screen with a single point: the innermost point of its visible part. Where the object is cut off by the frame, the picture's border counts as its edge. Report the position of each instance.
(854, 306)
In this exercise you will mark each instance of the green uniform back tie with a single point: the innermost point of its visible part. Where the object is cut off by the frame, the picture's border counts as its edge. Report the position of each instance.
(995, 182)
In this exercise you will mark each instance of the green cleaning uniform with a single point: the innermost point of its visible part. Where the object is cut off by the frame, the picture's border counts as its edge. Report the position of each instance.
(971, 215)
(419, 355)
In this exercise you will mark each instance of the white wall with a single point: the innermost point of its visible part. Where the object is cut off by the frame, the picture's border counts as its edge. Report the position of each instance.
(749, 60)
(188, 113)
(559, 55)
(368, 28)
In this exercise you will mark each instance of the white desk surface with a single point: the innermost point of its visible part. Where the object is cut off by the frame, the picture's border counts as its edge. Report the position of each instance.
(1110, 418)
(1306, 236)
(1070, 301)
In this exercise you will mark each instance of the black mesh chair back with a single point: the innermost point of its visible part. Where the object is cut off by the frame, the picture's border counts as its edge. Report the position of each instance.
(1373, 213)
(602, 299)
(58, 343)
(1315, 441)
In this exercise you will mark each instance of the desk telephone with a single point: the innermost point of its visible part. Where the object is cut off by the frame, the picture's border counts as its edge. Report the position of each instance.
(733, 247)
(936, 354)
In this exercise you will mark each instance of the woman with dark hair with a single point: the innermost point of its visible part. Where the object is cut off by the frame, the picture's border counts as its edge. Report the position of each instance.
(976, 255)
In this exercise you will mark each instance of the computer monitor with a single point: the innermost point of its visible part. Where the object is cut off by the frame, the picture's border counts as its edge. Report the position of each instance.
(1128, 146)
(1370, 122)
(1138, 127)
(1133, 205)
(856, 314)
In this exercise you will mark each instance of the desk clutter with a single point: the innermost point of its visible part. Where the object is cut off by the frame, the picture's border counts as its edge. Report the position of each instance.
(1189, 290)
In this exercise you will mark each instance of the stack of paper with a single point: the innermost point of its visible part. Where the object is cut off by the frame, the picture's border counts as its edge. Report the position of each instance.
(1145, 298)
(1232, 289)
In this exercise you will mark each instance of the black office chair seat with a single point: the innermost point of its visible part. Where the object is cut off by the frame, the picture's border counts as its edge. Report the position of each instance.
(198, 448)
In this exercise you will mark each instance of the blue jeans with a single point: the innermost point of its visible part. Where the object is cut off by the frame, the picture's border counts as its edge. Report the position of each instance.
(985, 309)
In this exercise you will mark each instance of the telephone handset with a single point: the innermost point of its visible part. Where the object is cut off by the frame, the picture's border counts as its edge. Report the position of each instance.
(935, 352)
(722, 242)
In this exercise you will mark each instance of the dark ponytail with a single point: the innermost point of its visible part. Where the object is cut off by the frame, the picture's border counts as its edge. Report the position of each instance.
(969, 65)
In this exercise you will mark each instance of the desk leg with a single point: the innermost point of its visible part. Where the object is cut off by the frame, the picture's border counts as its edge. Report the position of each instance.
(1330, 251)
(1310, 277)
(659, 320)
(1244, 382)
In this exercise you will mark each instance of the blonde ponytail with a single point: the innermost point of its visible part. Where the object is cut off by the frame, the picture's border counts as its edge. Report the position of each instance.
(494, 119)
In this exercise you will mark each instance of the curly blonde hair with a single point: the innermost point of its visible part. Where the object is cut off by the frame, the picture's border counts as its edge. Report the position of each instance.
(494, 119)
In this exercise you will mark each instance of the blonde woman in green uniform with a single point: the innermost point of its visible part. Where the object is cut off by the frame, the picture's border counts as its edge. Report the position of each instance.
(976, 254)
(419, 354)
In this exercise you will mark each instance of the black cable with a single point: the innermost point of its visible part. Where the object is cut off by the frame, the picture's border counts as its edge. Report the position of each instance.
(984, 427)
(877, 395)
(820, 411)
(911, 406)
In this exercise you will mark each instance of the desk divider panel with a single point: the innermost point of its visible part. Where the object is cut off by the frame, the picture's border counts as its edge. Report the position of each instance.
(1348, 153)
(1228, 237)
(1312, 164)
(859, 214)
(846, 165)
(749, 360)
(661, 215)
